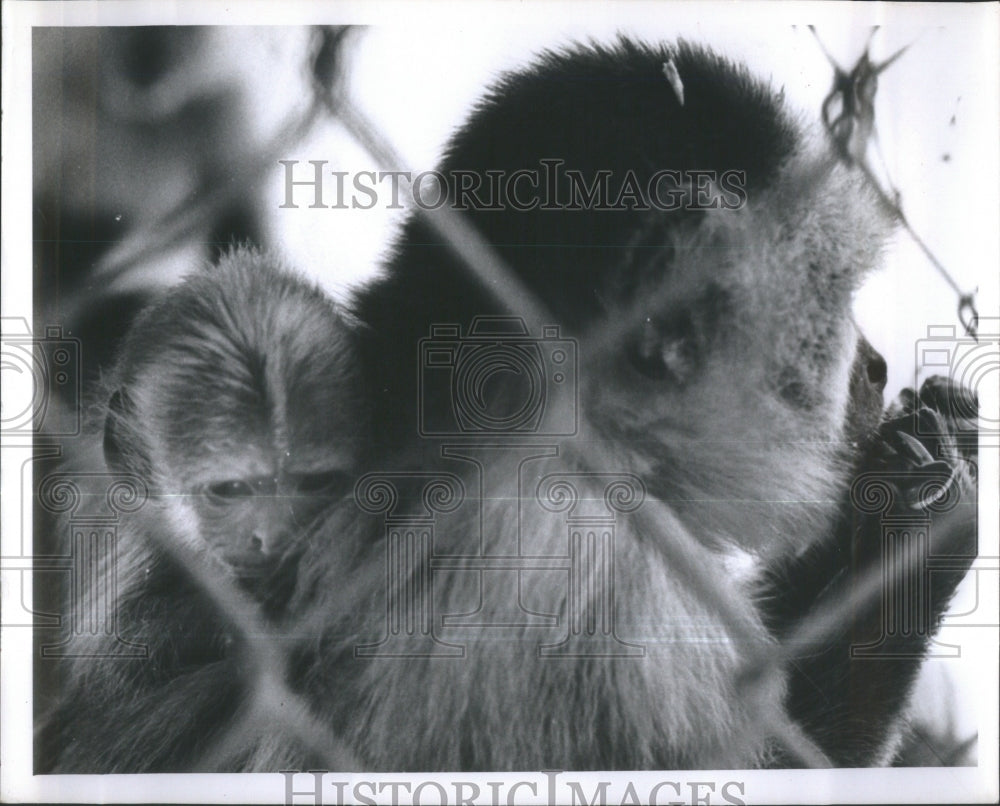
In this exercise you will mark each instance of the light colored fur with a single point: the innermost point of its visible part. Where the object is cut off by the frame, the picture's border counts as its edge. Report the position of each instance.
(738, 473)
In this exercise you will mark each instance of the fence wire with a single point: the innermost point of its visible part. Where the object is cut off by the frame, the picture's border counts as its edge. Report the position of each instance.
(271, 704)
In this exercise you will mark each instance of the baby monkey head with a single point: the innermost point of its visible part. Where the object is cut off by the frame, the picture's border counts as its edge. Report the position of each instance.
(234, 401)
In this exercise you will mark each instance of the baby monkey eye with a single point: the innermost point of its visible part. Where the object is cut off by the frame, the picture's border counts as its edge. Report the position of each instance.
(229, 491)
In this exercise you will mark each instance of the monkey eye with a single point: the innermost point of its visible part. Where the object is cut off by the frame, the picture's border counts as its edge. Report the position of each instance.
(229, 490)
(322, 483)
(664, 351)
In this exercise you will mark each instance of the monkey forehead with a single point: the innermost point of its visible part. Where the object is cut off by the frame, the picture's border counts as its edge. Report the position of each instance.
(808, 239)
(247, 316)
(261, 426)
(242, 348)
(222, 456)
(220, 460)
(772, 281)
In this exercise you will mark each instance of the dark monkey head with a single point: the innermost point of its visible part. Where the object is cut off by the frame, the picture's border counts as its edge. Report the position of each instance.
(234, 400)
(715, 361)
(715, 337)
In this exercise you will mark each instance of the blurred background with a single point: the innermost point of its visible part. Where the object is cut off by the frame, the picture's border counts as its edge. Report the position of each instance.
(156, 148)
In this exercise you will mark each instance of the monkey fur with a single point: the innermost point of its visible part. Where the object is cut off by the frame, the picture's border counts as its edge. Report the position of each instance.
(215, 405)
(718, 364)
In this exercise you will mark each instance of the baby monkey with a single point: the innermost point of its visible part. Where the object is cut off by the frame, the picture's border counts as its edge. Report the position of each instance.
(234, 402)
(233, 399)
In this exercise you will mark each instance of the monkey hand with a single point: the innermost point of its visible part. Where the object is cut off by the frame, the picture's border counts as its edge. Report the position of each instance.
(933, 430)
(927, 451)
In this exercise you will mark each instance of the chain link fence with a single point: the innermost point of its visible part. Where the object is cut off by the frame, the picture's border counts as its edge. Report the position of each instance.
(914, 506)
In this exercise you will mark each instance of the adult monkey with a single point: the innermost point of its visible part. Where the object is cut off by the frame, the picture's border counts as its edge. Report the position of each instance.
(718, 364)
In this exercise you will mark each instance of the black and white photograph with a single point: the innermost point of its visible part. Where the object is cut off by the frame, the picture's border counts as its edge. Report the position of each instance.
(494, 403)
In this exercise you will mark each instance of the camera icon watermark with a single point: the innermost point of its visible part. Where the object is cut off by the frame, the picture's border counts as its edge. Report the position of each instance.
(970, 365)
(497, 379)
(41, 380)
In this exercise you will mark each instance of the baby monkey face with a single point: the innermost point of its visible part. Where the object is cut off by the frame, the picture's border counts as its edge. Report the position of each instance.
(252, 522)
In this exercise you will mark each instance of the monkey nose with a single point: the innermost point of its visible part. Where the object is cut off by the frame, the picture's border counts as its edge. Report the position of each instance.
(256, 552)
(878, 372)
(875, 368)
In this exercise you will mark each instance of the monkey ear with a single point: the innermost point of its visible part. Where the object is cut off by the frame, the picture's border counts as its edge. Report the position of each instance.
(120, 455)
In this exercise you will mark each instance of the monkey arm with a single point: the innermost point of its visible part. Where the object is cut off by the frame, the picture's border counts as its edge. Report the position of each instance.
(146, 714)
(159, 728)
(849, 685)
